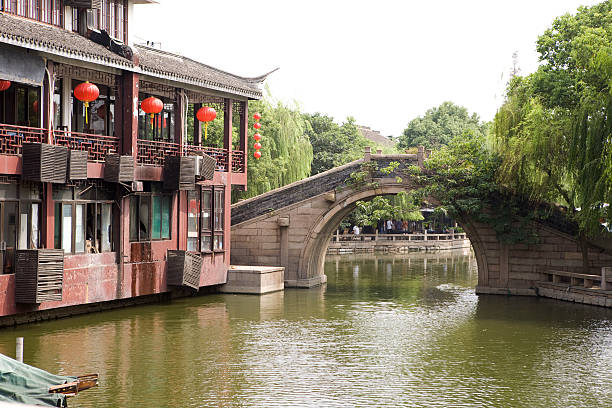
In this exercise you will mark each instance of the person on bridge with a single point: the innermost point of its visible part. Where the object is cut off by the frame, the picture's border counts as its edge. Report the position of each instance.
(355, 230)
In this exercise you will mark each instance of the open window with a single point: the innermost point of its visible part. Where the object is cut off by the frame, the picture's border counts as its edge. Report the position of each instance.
(83, 220)
(100, 118)
(150, 217)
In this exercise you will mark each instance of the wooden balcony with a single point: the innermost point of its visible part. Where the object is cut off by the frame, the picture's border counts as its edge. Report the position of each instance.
(154, 152)
(150, 152)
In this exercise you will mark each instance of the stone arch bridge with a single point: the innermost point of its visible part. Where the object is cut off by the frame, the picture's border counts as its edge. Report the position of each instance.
(292, 226)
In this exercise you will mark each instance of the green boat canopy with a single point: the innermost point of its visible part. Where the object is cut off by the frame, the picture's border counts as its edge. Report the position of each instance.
(20, 382)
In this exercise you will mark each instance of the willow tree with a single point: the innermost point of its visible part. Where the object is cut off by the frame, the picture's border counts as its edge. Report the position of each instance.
(554, 130)
(286, 154)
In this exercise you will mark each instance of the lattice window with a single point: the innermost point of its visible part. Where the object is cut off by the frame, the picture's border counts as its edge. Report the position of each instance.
(154, 88)
(97, 77)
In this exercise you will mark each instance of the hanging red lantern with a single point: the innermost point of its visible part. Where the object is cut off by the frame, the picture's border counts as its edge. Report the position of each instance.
(257, 154)
(257, 125)
(257, 137)
(4, 85)
(86, 92)
(257, 146)
(206, 114)
(152, 106)
(256, 116)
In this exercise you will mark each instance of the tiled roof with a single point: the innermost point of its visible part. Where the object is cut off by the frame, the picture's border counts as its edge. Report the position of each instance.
(54, 40)
(160, 63)
(33, 35)
(375, 136)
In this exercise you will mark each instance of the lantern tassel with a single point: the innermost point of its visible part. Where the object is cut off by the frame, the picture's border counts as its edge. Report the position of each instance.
(205, 130)
(86, 106)
(152, 115)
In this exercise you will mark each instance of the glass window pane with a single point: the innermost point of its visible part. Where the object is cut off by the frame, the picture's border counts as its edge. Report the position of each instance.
(156, 229)
(57, 226)
(106, 226)
(218, 210)
(23, 226)
(35, 231)
(79, 236)
(206, 243)
(10, 224)
(67, 227)
(218, 242)
(165, 221)
(134, 218)
(144, 221)
(206, 210)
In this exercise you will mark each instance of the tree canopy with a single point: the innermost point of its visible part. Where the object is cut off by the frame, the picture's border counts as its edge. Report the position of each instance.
(440, 125)
(553, 132)
(286, 155)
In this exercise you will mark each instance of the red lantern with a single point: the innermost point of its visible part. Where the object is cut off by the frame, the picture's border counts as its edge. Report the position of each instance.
(4, 85)
(257, 154)
(35, 106)
(206, 114)
(257, 137)
(257, 146)
(152, 106)
(86, 92)
(257, 125)
(256, 116)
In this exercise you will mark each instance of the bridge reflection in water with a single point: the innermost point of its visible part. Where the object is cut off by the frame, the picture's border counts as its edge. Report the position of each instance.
(384, 331)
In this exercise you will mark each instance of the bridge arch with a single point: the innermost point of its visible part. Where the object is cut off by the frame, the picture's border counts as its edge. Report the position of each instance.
(316, 241)
(291, 227)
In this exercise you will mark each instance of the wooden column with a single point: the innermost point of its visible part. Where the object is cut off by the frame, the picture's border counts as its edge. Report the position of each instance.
(197, 126)
(244, 131)
(48, 217)
(178, 121)
(227, 134)
(129, 113)
(47, 100)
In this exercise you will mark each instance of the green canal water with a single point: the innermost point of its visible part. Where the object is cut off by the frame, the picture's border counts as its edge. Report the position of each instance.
(386, 331)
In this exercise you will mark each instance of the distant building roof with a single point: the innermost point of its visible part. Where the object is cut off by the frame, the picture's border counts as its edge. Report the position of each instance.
(33, 35)
(375, 136)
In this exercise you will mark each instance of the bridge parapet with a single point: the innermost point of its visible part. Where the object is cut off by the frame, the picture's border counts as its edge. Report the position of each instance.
(329, 181)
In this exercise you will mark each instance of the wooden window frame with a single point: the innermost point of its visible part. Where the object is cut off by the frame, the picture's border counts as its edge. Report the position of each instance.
(73, 204)
(35, 10)
(138, 199)
(210, 231)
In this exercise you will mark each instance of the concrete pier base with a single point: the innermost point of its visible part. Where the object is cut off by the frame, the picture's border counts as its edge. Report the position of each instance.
(254, 280)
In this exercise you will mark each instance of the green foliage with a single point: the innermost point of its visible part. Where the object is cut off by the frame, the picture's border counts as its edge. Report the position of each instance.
(286, 154)
(439, 126)
(333, 145)
(553, 132)
(402, 206)
(363, 177)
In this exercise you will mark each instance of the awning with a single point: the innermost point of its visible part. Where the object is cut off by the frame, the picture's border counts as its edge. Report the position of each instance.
(20, 382)
(19, 65)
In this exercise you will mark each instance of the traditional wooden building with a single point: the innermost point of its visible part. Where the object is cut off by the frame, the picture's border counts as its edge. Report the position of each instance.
(122, 204)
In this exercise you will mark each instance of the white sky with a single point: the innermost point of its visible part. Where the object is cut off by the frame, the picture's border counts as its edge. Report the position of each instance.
(383, 62)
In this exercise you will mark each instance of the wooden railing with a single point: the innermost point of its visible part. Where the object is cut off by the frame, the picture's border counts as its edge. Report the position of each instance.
(153, 152)
(97, 146)
(238, 161)
(12, 137)
(220, 155)
(150, 152)
(399, 237)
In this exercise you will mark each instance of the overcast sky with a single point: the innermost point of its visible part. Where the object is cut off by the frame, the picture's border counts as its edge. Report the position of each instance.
(383, 62)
